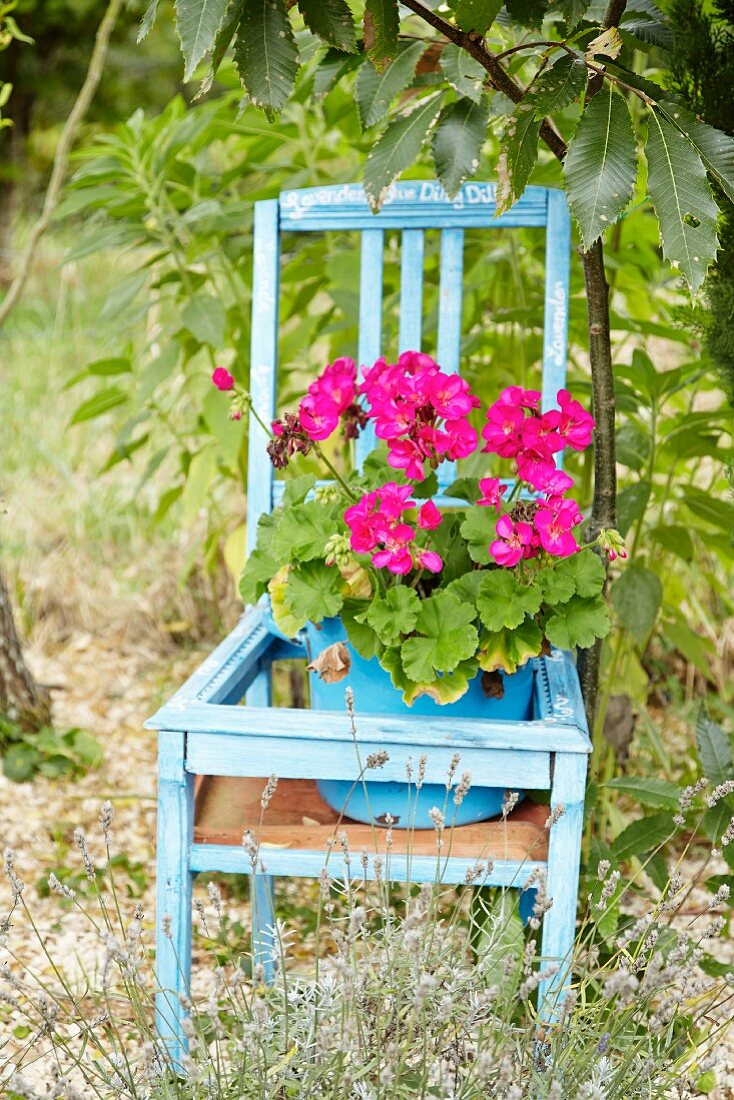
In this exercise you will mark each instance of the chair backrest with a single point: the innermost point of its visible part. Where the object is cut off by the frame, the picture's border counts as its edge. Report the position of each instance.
(410, 207)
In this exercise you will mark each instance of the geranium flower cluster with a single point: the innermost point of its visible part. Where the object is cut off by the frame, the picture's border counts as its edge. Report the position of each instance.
(515, 428)
(377, 527)
(420, 412)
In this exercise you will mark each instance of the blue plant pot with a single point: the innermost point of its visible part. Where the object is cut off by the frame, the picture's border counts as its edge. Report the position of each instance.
(374, 694)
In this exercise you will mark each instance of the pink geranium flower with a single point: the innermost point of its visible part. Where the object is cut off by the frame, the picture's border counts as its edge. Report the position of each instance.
(395, 555)
(394, 500)
(319, 416)
(429, 517)
(222, 379)
(541, 431)
(554, 525)
(516, 395)
(430, 560)
(337, 383)
(513, 538)
(492, 492)
(413, 361)
(450, 396)
(573, 423)
(461, 439)
(536, 466)
(503, 430)
(558, 482)
(406, 454)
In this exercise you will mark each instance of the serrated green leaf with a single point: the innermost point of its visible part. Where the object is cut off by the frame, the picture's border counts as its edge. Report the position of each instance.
(477, 15)
(712, 509)
(394, 614)
(600, 168)
(221, 44)
(303, 531)
(197, 22)
(573, 11)
(558, 86)
(314, 591)
(259, 568)
(643, 836)
(398, 148)
(518, 154)
(462, 71)
(332, 68)
(381, 26)
(146, 23)
(582, 574)
(297, 489)
(504, 601)
(205, 319)
(653, 32)
(528, 13)
(508, 650)
(361, 636)
(647, 790)
(682, 199)
(266, 54)
(578, 623)
(332, 21)
(636, 596)
(465, 488)
(375, 91)
(714, 749)
(478, 529)
(448, 637)
(457, 142)
(466, 587)
(715, 148)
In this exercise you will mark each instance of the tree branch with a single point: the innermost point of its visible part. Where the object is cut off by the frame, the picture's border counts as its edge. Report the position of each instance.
(61, 156)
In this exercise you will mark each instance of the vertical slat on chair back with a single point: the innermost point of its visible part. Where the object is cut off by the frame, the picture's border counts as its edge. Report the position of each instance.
(263, 360)
(412, 208)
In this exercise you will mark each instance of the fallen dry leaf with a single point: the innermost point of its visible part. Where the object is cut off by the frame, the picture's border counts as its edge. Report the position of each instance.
(332, 663)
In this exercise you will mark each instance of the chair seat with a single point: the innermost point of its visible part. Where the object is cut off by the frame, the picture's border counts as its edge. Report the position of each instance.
(298, 818)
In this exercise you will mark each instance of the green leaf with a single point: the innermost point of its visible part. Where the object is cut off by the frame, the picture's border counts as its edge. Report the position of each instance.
(528, 13)
(651, 31)
(86, 748)
(558, 86)
(463, 73)
(331, 20)
(719, 513)
(647, 790)
(633, 446)
(314, 591)
(578, 623)
(715, 148)
(636, 596)
(714, 749)
(20, 762)
(682, 199)
(333, 67)
(693, 646)
(297, 489)
(146, 23)
(303, 531)
(504, 601)
(465, 488)
(642, 836)
(398, 148)
(631, 504)
(100, 404)
(394, 614)
(582, 574)
(361, 636)
(381, 26)
(375, 91)
(449, 637)
(221, 43)
(508, 650)
(573, 11)
(477, 15)
(457, 142)
(466, 587)
(478, 529)
(199, 478)
(266, 54)
(197, 22)
(518, 154)
(259, 568)
(205, 319)
(600, 168)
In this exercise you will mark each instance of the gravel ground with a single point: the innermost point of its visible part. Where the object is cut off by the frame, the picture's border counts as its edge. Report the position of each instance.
(106, 686)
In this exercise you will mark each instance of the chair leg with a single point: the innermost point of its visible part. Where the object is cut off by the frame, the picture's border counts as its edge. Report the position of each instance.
(564, 855)
(174, 887)
(262, 903)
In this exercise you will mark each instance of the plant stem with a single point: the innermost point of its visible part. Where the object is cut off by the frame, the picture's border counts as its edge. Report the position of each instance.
(330, 466)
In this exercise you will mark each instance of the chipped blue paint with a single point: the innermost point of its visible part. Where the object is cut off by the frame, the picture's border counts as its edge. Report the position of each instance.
(204, 731)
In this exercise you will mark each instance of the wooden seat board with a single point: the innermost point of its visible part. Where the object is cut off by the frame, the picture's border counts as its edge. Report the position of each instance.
(298, 818)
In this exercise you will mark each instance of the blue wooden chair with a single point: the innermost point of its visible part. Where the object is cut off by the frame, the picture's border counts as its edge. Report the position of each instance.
(204, 733)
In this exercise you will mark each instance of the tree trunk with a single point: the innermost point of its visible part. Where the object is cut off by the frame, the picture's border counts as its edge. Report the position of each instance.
(21, 698)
